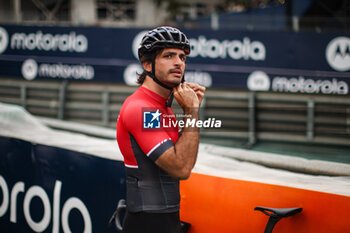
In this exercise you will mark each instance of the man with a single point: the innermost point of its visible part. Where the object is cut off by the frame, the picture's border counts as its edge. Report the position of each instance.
(157, 157)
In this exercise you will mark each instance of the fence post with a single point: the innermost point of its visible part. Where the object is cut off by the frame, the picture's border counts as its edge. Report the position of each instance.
(62, 99)
(251, 111)
(310, 120)
(24, 96)
(105, 108)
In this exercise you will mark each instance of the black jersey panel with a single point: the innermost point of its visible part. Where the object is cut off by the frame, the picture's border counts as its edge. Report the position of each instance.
(149, 188)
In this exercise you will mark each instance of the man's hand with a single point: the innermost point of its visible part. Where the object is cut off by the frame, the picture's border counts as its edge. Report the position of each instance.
(198, 89)
(186, 97)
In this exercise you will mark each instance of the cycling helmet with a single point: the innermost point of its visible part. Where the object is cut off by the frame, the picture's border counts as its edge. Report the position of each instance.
(164, 37)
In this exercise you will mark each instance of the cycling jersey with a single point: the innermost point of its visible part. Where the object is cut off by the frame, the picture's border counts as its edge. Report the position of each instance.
(142, 139)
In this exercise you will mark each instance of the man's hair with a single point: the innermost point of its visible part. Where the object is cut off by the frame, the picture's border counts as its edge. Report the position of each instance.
(147, 57)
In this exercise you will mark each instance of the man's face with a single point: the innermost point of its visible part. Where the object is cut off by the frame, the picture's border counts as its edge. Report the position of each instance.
(170, 66)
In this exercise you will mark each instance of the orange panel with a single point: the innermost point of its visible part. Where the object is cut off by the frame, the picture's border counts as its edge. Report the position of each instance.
(214, 204)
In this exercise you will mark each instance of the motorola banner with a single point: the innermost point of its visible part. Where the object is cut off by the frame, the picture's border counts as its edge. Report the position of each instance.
(48, 189)
(300, 62)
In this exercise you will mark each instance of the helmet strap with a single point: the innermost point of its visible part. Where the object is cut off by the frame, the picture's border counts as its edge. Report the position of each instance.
(153, 74)
(170, 100)
(157, 81)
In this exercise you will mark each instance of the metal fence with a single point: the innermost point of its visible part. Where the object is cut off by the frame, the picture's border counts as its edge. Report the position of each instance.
(249, 116)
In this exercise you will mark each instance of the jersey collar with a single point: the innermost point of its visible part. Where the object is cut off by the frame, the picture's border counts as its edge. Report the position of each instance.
(153, 95)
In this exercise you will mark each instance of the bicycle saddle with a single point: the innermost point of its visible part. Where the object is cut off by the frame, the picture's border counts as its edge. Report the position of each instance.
(279, 212)
(276, 214)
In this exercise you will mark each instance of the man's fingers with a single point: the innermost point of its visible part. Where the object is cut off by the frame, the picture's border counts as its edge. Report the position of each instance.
(196, 87)
(177, 88)
(200, 94)
(182, 87)
(192, 85)
(186, 96)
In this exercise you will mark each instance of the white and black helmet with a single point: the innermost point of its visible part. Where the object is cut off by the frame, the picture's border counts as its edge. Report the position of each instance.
(164, 37)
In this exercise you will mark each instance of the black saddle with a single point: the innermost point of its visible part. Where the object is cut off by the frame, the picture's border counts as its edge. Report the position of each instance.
(276, 214)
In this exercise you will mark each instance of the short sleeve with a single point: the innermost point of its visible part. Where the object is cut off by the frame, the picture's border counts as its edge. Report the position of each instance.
(153, 141)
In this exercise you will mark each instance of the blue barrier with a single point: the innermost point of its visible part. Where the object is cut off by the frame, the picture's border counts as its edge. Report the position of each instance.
(49, 189)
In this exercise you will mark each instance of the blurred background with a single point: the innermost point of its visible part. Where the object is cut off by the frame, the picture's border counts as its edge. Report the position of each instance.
(277, 71)
(280, 15)
(277, 74)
